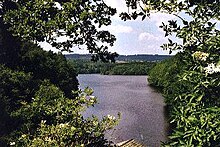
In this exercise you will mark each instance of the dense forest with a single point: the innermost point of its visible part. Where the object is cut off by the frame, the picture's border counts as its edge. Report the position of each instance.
(126, 58)
(126, 68)
(37, 92)
(133, 68)
(87, 66)
(40, 102)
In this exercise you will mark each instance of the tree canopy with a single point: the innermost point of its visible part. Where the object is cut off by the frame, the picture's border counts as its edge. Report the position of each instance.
(195, 32)
(62, 23)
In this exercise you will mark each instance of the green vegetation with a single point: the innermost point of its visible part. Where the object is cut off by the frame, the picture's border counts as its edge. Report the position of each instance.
(193, 102)
(165, 72)
(31, 113)
(190, 80)
(48, 65)
(130, 68)
(125, 58)
(37, 106)
(40, 102)
(88, 67)
(48, 20)
(57, 121)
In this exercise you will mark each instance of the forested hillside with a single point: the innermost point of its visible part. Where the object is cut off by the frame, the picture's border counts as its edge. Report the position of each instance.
(126, 68)
(40, 102)
(127, 58)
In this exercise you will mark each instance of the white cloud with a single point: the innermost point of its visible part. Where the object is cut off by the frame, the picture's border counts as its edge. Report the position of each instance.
(120, 5)
(133, 37)
(158, 18)
(150, 37)
(117, 29)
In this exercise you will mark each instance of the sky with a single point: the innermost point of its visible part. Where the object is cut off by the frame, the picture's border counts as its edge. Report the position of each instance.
(135, 36)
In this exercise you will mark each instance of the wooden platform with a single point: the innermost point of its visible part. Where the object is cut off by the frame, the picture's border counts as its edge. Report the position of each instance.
(130, 143)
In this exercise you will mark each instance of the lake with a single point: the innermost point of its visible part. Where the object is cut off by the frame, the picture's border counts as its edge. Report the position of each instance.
(142, 108)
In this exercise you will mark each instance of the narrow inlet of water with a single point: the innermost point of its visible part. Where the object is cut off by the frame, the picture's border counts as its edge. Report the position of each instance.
(143, 115)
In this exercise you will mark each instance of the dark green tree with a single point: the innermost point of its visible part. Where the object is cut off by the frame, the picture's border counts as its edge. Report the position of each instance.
(79, 21)
(9, 47)
(23, 24)
(48, 65)
(15, 87)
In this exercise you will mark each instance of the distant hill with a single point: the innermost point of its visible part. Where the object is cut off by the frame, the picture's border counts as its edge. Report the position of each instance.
(138, 57)
(78, 56)
(142, 57)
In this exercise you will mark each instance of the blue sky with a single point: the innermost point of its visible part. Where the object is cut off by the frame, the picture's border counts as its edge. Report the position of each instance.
(133, 37)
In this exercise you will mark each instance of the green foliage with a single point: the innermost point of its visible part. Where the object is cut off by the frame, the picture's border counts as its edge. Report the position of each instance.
(193, 101)
(29, 116)
(80, 21)
(9, 47)
(130, 68)
(46, 117)
(34, 65)
(51, 119)
(48, 65)
(193, 93)
(30, 58)
(15, 87)
(160, 75)
(25, 105)
(88, 67)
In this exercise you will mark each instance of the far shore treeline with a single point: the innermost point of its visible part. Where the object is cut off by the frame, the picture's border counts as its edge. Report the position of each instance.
(124, 65)
(136, 57)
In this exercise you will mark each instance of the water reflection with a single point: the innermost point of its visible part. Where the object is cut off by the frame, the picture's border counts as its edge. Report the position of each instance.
(141, 106)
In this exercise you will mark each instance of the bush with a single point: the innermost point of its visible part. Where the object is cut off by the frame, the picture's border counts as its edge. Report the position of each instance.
(20, 84)
(165, 72)
(15, 87)
(51, 119)
(192, 95)
(48, 65)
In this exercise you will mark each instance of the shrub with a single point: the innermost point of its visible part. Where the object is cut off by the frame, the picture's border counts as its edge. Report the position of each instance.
(15, 86)
(192, 95)
(51, 119)
(48, 65)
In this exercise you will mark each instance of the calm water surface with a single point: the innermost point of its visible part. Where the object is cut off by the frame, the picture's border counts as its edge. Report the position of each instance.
(141, 107)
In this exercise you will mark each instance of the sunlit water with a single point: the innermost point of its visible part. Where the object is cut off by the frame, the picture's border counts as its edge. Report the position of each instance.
(141, 107)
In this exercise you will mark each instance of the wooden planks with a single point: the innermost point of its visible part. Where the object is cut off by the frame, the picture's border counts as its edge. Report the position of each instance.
(130, 143)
